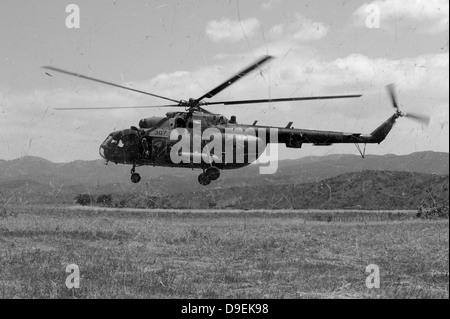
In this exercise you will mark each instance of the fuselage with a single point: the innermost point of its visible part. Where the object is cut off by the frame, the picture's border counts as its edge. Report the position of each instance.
(154, 141)
(199, 140)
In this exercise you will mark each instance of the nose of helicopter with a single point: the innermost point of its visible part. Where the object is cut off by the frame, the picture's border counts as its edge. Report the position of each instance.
(101, 151)
(120, 147)
(109, 148)
(105, 146)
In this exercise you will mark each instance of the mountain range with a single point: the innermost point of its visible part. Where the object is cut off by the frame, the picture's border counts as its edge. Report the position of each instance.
(33, 179)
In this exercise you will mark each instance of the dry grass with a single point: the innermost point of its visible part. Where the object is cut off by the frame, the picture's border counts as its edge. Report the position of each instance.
(142, 255)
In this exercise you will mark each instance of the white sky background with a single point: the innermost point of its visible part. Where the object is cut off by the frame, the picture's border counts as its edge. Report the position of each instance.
(182, 49)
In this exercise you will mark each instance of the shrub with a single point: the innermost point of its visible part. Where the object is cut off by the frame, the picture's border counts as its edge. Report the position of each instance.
(104, 199)
(84, 199)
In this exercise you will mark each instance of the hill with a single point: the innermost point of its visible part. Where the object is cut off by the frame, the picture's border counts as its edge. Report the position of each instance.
(36, 180)
(372, 190)
(90, 175)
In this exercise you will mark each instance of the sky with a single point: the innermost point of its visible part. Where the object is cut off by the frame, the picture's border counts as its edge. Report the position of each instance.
(182, 49)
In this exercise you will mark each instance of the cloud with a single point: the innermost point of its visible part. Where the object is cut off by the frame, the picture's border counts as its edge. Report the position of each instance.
(232, 30)
(422, 83)
(270, 4)
(413, 73)
(422, 87)
(300, 29)
(429, 16)
(62, 135)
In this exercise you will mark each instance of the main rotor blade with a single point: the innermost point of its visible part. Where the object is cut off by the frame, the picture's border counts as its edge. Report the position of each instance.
(107, 83)
(393, 95)
(421, 118)
(238, 76)
(286, 99)
(112, 108)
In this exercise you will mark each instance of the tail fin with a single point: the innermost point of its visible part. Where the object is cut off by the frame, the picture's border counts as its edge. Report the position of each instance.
(383, 130)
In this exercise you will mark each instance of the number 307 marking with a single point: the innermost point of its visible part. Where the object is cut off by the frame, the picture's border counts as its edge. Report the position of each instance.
(160, 132)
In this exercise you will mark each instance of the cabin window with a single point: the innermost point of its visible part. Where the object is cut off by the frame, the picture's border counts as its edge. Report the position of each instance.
(181, 122)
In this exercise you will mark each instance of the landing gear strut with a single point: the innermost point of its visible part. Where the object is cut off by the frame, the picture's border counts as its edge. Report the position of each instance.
(135, 177)
(210, 174)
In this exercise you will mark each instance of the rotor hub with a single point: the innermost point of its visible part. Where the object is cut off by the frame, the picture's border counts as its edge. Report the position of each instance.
(399, 113)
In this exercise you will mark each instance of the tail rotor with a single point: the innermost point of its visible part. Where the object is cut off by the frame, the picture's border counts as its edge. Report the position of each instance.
(420, 118)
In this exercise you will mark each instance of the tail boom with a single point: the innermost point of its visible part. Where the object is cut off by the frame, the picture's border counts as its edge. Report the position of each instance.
(294, 138)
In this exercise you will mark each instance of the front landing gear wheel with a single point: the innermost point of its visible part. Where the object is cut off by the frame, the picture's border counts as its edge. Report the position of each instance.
(213, 173)
(135, 178)
(204, 180)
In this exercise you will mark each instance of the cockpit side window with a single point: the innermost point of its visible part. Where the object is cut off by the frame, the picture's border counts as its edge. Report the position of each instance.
(181, 122)
(129, 137)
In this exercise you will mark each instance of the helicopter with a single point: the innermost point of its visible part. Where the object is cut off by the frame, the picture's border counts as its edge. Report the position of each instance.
(156, 142)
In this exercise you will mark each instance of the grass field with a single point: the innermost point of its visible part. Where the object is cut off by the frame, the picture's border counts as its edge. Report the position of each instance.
(131, 254)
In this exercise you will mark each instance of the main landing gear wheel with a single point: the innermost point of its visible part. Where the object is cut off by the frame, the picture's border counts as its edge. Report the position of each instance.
(213, 173)
(204, 180)
(135, 178)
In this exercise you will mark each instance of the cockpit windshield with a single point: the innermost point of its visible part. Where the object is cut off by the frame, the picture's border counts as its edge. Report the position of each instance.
(113, 140)
(120, 145)
(105, 144)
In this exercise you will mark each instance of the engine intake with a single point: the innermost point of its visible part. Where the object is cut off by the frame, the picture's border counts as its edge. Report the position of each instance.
(150, 122)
